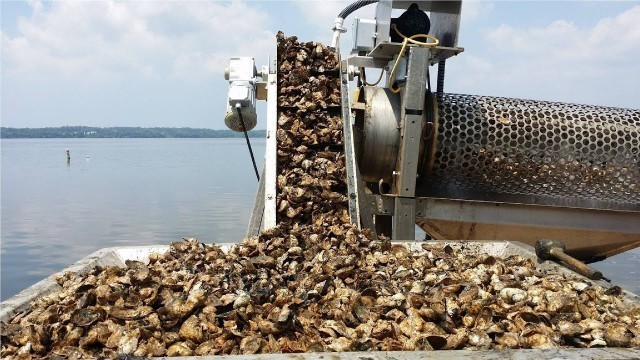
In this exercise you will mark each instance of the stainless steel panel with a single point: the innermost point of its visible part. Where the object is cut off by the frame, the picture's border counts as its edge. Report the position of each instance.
(590, 234)
(404, 216)
(383, 20)
(445, 21)
(364, 34)
(380, 135)
(623, 222)
(411, 115)
(270, 158)
(388, 50)
(536, 152)
(359, 213)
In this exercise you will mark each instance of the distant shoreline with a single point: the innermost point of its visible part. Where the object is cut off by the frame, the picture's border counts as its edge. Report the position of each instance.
(88, 132)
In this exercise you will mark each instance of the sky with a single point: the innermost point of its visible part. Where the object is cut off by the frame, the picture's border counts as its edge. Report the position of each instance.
(161, 63)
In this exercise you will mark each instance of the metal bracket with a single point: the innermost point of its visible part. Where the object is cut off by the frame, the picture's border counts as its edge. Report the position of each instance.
(359, 211)
(270, 158)
(410, 140)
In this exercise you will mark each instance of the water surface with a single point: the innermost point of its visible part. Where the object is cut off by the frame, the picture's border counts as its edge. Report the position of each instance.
(118, 192)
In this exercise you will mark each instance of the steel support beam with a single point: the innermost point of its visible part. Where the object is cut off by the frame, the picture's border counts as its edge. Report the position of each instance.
(589, 234)
(500, 213)
(359, 211)
(404, 219)
(270, 158)
(411, 115)
(523, 214)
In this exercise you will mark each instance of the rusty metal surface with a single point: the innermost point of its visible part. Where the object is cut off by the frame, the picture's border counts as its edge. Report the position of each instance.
(536, 152)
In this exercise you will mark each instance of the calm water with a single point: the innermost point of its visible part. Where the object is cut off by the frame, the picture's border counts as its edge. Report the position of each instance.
(119, 192)
(126, 192)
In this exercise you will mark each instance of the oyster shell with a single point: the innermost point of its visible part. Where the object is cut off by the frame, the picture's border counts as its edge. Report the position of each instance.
(315, 282)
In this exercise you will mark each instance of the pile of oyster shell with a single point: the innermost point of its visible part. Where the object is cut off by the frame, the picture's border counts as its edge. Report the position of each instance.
(305, 72)
(315, 282)
(303, 291)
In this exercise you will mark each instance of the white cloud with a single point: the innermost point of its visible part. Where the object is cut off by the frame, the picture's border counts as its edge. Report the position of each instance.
(476, 9)
(611, 40)
(101, 40)
(322, 14)
(151, 62)
(560, 61)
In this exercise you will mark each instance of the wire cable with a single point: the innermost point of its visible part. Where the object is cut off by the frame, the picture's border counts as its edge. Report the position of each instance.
(411, 39)
(440, 78)
(405, 42)
(355, 6)
(337, 28)
(244, 129)
(364, 77)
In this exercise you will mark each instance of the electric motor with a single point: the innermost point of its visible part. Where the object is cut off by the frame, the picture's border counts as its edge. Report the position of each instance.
(241, 74)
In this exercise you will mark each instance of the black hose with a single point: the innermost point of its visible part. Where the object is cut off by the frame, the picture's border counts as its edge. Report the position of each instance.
(355, 6)
(447, 40)
(440, 80)
(244, 129)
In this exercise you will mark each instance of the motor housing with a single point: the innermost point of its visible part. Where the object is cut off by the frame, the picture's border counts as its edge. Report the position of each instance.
(412, 22)
(241, 74)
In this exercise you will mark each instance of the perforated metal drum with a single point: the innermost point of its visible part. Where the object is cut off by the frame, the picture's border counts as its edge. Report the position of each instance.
(503, 149)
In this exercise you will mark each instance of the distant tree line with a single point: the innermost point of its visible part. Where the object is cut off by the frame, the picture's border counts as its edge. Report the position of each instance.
(120, 132)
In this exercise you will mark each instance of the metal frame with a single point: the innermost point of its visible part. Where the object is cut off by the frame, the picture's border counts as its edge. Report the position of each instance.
(359, 212)
(411, 114)
(270, 155)
(618, 229)
(383, 20)
(445, 21)
(365, 61)
(494, 215)
(515, 214)
(444, 16)
(388, 50)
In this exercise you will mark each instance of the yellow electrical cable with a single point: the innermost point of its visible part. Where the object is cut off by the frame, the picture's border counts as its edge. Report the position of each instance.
(407, 40)
(364, 78)
(395, 65)
(435, 42)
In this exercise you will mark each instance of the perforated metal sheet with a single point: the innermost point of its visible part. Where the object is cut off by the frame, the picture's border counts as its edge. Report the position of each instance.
(493, 148)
